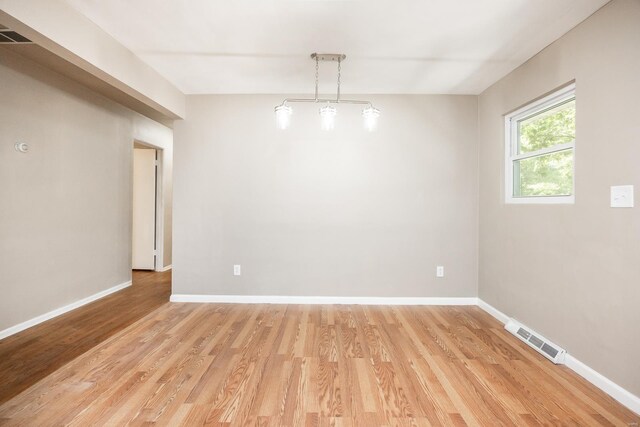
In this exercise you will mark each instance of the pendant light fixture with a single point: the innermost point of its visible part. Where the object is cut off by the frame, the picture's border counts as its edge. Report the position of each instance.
(283, 116)
(328, 117)
(328, 112)
(370, 115)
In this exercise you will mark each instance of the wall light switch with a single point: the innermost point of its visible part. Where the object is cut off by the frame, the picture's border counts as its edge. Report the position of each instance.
(440, 271)
(622, 196)
(236, 270)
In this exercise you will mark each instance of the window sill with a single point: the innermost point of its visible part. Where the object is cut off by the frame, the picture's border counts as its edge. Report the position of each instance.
(549, 200)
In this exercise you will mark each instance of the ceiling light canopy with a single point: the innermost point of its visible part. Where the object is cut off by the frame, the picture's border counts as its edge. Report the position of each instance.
(327, 112)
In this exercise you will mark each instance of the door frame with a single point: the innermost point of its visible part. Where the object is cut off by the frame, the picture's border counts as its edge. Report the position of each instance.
(159, 225)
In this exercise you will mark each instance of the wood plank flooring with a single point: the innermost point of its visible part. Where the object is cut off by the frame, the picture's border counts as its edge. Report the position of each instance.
(29, 356)
(289, 365)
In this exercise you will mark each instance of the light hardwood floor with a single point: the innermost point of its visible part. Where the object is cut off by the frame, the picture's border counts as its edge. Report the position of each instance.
(31, 355)
(216, 364)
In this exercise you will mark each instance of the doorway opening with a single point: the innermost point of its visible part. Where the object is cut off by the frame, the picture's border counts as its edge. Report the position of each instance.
(146, 230)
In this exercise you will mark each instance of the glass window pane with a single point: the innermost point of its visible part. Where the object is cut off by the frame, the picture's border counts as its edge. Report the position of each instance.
(545, 175)
(556, 125)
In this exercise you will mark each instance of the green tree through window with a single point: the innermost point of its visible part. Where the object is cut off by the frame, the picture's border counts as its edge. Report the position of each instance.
(547, 172)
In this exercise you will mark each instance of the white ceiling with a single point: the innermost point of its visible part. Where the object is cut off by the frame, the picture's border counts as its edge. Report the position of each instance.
(392, 46)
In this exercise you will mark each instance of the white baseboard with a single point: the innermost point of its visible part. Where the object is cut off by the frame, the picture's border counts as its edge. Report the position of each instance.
(274, 299)
(58, 311)
(500, 316)
(166, 268)
(623, 396)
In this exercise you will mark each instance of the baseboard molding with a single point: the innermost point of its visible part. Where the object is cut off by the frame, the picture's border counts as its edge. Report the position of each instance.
(273, 299)
(500, 316)
(166, 268)
(623, 396)
(58, 311)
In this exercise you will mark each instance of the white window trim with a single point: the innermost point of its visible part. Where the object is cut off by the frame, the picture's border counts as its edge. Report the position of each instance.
(510, 147)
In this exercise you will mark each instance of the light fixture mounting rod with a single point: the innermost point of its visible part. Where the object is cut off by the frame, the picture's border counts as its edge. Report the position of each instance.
(329, 56)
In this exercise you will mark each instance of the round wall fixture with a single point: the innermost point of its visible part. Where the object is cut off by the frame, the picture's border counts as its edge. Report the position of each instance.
(21, 147)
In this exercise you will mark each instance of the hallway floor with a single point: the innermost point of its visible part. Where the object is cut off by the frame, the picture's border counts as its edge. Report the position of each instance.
(29, 356)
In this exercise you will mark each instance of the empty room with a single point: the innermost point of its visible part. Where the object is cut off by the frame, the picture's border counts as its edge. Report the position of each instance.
(319, 213)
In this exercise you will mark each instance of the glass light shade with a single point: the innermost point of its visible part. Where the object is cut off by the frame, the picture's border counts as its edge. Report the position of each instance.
(328, 117)
(370, 116)
(283, 116)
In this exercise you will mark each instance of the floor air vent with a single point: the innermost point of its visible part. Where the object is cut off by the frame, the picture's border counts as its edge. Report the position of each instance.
(537, 342)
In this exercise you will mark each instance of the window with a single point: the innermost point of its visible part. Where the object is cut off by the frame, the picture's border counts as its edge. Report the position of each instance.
(540, 145)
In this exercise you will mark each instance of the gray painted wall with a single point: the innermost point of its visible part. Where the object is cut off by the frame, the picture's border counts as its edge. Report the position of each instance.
(573, 272)
(65, 216)
(345, 213)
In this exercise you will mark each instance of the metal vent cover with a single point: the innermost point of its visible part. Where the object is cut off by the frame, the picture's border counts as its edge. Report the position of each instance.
(524, 333)
(536, 341)
(9, 36)
(549, 350)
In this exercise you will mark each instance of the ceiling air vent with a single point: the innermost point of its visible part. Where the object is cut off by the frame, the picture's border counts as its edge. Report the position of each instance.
(536, 341)
(8, 36)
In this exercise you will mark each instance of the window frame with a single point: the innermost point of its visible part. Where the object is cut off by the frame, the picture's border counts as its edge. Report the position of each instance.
(511, 146)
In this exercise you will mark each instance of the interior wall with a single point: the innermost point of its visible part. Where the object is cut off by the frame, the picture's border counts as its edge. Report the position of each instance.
(65, 216)
(571, 272)
(341, 213)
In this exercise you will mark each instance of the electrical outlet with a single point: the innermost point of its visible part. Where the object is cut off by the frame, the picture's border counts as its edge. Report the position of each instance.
(236, 270)
(440, 271)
